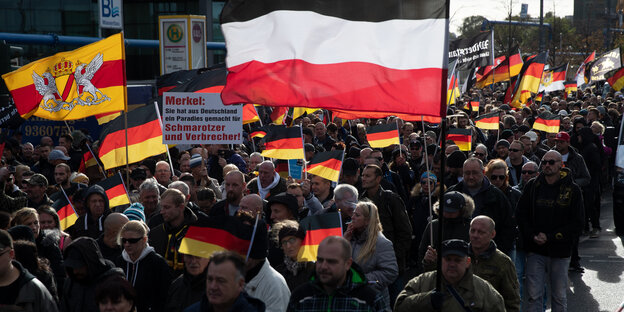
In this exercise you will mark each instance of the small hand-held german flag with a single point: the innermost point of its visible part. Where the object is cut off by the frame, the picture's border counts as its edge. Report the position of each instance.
(279, 115)
(218, 234)
(250, 114)
(65, 210)
(326, 165)
(115, 191)
(488, 121)
(529, 79)
(380, 136)
(283, 143)
(259, 132)
(615, 78)
(570, 86)
(547, 122)
(87, 161)
(461, 137)
(281, 167)
(317, 228)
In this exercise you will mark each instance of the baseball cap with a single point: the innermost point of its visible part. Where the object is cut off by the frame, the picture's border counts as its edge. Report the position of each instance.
(562, 136)
(532, 135)
(56, 154)
(37, 179)
(456, 247)
(195, 161)
(453, 201)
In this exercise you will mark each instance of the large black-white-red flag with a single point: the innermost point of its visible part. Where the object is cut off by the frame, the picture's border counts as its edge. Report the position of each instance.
(358, 55)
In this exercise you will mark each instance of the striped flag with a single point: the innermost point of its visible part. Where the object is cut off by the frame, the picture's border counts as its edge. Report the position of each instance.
(547, 122)
(283, 143)
(453, 91)
(488, 121)
(278, 115)
(218, 234)
(65, 210)
(383, 135)
(72, 85)
(529, 79)
(570, 87)
(317, 228)
(327, 165)
(87, 161)
(503, 71)
(115, 191)
(250, 114)
(554, 79)
(616, 79)
(461, 137)
(351, 54)
(580, 73)
(144, 138)
(281, 167)
(106, 117)
(259, 132)
(484, 71)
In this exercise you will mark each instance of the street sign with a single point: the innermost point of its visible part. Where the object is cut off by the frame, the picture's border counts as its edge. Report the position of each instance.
(111, 14)
(182, 40)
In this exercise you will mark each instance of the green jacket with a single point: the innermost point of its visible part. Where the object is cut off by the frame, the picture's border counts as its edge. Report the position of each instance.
(477, 294)
(498, 269)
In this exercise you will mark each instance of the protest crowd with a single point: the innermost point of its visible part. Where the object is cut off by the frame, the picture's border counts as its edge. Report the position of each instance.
(516, 202)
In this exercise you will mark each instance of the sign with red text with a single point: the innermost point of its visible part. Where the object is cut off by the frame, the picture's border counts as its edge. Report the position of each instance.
(200, 118)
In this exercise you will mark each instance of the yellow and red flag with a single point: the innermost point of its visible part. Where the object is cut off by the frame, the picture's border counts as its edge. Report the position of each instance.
(220, 234)
(250, 114)
(616, 79)
(509, 67)
(318, 227)
(554, 79)
(461, 137)
(570, 87)
(106, 117)
(453, 91)
(144, 138)
(380, 136)
(283, 143)
(547, 122)
(326, 165)
(281, 167)
(488, 121)
(279, 115)
(529, 79)
(259, 132)
(115, 191)
(65, 210)
(87, 161)
(71, 85)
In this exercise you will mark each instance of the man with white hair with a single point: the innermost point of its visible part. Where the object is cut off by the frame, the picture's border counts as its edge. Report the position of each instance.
(268, 183)
(163, 173)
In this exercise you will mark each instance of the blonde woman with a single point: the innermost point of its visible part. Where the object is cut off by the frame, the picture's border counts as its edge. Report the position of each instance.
(146, 270)
(372, 251)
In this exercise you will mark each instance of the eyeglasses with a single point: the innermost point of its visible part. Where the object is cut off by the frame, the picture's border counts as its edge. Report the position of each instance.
(514, 150)
(549, 161)
(5, 251)
(500, 177)
(478, 154)
(528, 172)
(380, 158)
(130, 240)
(289, 241)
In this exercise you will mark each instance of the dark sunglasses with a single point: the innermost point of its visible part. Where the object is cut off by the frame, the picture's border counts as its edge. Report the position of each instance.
(500, 177)
(528, 172)
(514, 150)
(380, 158)
(130, 240)
(549, 162)
(478, 154)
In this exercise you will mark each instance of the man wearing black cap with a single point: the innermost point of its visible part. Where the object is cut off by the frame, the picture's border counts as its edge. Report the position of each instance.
(460, 288)
(20, 290)
(454, 167)
(501, 149)
(36, 191)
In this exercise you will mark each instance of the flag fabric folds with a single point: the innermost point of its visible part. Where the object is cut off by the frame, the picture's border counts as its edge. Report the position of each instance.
(529, 79)
(259, 132)
(217, 234)
(461, 137)
(360, 55)
(250, 114)
(616, 79)
(72, 85)
(318, 227)
(281, 167)
(106, 117)
(580, 77)
(488, 121)
(65, 210)
(383, 135)
(509, 67)
(278, 115)
(453, 91)
(547, 122)
(115, 191)
(610, 60)
(472, 52)
(326, 165)
(554, 79)
(144, 138)
(283, 143)
(87, 161)
(570, 87)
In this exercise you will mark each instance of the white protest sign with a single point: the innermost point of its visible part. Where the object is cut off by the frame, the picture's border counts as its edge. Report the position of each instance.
(200, 118)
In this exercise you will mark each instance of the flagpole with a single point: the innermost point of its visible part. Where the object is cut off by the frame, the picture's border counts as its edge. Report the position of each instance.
(422, 119)
(253, 235)
(340, 221)
(167, 148)
(124, 184)
(305, 164)
(96, 161)
(67, 198)
(399, 133)
(125, 113)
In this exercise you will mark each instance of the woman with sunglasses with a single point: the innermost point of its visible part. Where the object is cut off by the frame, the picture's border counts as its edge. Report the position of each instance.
(371, 250)
(146, 270)
(498, 174)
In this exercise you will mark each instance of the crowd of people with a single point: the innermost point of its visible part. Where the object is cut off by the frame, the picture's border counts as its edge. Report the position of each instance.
(515, 206)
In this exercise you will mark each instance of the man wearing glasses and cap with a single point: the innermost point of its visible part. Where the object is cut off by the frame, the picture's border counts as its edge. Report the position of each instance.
(461, 289)
(550, 217)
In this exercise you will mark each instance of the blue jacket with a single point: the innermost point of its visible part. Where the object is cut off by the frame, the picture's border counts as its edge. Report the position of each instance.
(242, 303)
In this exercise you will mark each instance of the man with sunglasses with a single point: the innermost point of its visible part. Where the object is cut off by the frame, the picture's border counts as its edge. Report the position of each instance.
(529, 171)
(550, 217)
(515, 161)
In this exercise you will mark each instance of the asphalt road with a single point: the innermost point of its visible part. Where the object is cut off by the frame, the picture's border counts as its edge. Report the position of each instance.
(601, 287)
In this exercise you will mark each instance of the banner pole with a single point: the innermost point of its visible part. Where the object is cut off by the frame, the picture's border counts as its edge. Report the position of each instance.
(125, 113)
(253, 235)
(167, 146)
(428, 177)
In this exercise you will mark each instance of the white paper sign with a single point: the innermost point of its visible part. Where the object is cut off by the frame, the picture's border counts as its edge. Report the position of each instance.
(200, 118)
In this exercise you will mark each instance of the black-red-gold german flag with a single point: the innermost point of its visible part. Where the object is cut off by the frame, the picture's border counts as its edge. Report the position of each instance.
(283, 143)
(570, 87)
(615, 79)
(461, 137)
(327, 165)
(547, 122)
(529, 79)
(281, 167)
(488, 121)
(144, 138)
(317, 228)
(115, 191)
(259, 132)
(382, 135)
(220, 234)
(65, 210)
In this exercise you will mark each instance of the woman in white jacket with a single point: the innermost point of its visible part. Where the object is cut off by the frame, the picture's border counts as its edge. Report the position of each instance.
(372, 251)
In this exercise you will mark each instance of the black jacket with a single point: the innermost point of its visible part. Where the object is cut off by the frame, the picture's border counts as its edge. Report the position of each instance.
(87, 225)
(166, 240)
(47, 247)
(555, 210)
(185, 291)
(243, 303)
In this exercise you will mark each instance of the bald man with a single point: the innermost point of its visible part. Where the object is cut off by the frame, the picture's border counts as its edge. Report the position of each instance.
(268, 183)
(252, 203)
(109, 246)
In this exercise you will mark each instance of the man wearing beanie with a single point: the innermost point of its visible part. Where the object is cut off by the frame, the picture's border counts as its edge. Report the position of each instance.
(455, 162)
(262, 281)
(501, 149)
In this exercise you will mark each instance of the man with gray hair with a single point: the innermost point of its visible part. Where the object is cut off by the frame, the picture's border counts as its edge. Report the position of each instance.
(529, 171)
(254, 160)
(345, 199)
(186, 190)
(149, 197)
(163, 173)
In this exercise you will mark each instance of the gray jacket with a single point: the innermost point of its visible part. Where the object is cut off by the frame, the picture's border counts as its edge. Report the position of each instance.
(513, 181)
(33, 296)
(382, 266)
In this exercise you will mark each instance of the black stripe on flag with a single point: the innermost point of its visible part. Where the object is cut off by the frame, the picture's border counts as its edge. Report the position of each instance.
(353, 10)
(281, 132)
(382, 128)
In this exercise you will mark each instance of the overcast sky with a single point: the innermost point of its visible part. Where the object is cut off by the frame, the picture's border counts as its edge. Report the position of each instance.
(498, 9)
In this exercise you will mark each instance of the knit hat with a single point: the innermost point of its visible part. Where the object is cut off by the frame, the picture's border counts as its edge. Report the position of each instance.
(195, 161)
(135, 212)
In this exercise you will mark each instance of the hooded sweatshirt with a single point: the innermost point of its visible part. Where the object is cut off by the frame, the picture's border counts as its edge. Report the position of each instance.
(87, 225)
